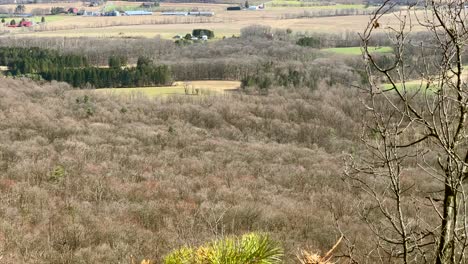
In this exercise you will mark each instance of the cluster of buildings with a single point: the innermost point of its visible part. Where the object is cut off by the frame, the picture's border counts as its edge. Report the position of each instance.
(22, 23)
(238, 8)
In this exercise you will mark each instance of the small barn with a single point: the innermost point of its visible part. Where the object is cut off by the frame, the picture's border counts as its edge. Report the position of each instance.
(91, 13)
(25, 23)
(72, 10)
(112, 13)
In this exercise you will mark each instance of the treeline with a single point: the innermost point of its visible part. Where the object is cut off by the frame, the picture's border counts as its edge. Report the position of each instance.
(75, 70)
(36, 60)
(341, 40)
(329, 13)
(150, 75)
(295, 57)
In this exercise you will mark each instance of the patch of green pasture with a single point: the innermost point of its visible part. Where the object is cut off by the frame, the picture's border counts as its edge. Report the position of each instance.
(413, 85)
(358, 51)
(38, 19)
(53, 18)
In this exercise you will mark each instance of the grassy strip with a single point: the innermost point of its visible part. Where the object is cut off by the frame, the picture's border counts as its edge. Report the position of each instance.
(413, 85)
(358, 51)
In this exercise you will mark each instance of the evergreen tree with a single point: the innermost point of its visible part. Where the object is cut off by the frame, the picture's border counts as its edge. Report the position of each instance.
(143, 63)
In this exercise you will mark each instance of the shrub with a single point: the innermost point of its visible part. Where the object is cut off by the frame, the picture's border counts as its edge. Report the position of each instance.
(250, 248)
(309, 42)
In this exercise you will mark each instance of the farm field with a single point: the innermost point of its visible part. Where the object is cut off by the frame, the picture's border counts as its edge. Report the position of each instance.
(31, 7)
(169, 27)
(421, 84)
(357, 50)
(177, 88)
(37, 19)
(224, 23)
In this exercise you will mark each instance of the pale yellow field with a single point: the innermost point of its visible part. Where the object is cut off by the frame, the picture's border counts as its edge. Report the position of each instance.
(324, 24)
(204, 87)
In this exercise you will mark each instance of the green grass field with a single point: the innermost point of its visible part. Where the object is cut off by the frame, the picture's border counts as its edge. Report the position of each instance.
(357, 50)
(413, 85)
(53, 18)
(204, 87)
(37, 19)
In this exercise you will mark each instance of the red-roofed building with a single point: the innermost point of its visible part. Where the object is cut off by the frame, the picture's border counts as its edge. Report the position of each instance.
(72, 10)
(25, 24)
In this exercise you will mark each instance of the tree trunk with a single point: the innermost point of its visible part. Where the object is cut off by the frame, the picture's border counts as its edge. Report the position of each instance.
(446, 251)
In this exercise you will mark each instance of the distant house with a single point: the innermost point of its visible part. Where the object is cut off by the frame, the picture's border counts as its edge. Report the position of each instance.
(91, 13)
(112, 13)
(23, 23)
(72, 10)
(26, 23)
(233, 8)
(138, 13)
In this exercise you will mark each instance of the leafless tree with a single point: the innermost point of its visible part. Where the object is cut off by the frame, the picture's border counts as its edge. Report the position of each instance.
(415, 165)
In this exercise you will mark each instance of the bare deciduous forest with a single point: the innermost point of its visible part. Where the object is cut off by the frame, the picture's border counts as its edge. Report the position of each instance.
(88, 179)
(320, 156)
